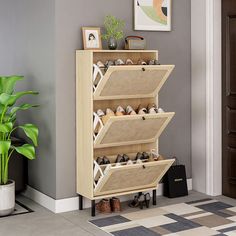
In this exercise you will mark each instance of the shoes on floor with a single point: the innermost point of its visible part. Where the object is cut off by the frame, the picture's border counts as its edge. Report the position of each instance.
(140, 200)
(104, 206)
(115, 204)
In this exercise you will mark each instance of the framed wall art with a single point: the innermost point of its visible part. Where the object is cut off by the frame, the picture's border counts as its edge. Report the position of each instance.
(153, 15)
(92, 38)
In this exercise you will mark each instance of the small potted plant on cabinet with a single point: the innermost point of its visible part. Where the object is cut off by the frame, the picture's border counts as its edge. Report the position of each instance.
(8, 111)
(114, 31)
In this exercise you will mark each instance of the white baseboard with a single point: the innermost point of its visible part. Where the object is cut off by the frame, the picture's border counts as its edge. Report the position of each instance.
(72, 204)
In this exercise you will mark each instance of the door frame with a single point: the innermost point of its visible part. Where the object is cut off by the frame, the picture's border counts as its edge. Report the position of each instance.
(206, 96)
(213, 98)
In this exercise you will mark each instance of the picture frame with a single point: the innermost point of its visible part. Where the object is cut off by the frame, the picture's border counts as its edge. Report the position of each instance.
(92, 38)
(152, 15)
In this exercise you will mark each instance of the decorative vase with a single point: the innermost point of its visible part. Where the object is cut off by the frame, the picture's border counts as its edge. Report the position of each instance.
(112, 43)
(7, 198)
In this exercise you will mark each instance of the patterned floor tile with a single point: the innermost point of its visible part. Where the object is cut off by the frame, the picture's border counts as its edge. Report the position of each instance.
(121, 226)
(155, 221)
(233, 228)
(212, 221)
(232, 233)
(198, 201)
(204, 231)
(180, 225)
(181, 209)
(198, 215)
(160, 230)
(215, 206)
(145, 214)
(137, 231)
(109, 221)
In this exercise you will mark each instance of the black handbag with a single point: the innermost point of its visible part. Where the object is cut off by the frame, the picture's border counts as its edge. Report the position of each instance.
(175, 182)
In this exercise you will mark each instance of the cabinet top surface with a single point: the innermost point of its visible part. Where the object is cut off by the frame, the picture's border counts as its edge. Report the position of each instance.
(115, 51)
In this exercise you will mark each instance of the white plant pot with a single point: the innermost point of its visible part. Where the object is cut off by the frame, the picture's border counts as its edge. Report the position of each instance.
(7, 198)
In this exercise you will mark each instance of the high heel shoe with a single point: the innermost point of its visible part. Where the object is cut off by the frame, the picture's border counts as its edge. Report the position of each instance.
(134, 203)
(147, 199)
(141, 201)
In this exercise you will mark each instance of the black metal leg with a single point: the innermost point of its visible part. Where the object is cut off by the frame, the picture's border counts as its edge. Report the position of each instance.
(154, 197)
(93, 208)
(80, 202)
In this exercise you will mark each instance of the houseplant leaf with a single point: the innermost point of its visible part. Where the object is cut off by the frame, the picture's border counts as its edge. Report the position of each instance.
(31, 132)
(10, 100)
(26, 150)
(4, 146)
(24, 106)
(7, 83)
(6, 128)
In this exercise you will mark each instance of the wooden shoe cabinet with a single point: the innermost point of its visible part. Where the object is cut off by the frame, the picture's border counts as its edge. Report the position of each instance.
(120, 85)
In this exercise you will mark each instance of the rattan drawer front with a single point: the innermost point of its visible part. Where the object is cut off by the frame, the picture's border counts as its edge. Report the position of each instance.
(132, 177)
(121, 82)
(126, 130)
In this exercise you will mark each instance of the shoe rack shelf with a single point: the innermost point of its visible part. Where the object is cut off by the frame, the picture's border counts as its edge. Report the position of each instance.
(140, 81)
(132, 129)
(124, 85)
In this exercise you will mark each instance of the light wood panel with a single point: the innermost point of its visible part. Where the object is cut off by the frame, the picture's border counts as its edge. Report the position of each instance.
(132, 129)
(84, 123)
(121, 82)
(131, 177)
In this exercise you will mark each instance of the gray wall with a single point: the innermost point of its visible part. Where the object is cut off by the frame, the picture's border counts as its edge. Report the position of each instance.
(174, 48)
(27, 48)
(198, 106)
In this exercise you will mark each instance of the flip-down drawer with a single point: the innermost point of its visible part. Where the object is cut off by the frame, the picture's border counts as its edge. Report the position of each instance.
(119, 179)
(133, 129)
(136, 81)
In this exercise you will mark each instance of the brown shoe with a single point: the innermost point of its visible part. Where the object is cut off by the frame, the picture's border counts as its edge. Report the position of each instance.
(115, 204)
(104, 206)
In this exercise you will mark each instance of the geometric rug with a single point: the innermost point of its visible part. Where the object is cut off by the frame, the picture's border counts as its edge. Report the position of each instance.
(20, 209)
(197, 218)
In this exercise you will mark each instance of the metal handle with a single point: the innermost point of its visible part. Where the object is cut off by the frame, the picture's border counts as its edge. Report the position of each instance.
(143, 69)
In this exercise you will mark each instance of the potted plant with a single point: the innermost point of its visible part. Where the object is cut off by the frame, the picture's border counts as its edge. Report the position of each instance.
(114, 31)
(8, 111)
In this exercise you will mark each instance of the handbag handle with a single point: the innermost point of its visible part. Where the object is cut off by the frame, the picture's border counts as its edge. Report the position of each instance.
(133, 36)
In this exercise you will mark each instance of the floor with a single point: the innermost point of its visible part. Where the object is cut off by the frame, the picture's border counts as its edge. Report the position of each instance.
(45, 223)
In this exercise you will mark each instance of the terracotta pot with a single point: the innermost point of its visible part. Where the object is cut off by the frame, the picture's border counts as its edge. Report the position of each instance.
(7, 198)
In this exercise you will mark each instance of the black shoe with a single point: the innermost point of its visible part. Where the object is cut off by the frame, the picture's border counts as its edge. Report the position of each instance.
(126, 158)
(139, 156)
(120, 158)
(145, 156)
(147, 199)
(99, 161)
(106, 160)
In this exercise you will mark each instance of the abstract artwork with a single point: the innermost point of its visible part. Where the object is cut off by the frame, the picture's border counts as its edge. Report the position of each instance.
(154, 15)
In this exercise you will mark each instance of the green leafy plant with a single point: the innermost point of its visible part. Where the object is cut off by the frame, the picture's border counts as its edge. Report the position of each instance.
(114, 28)
(8, 111)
